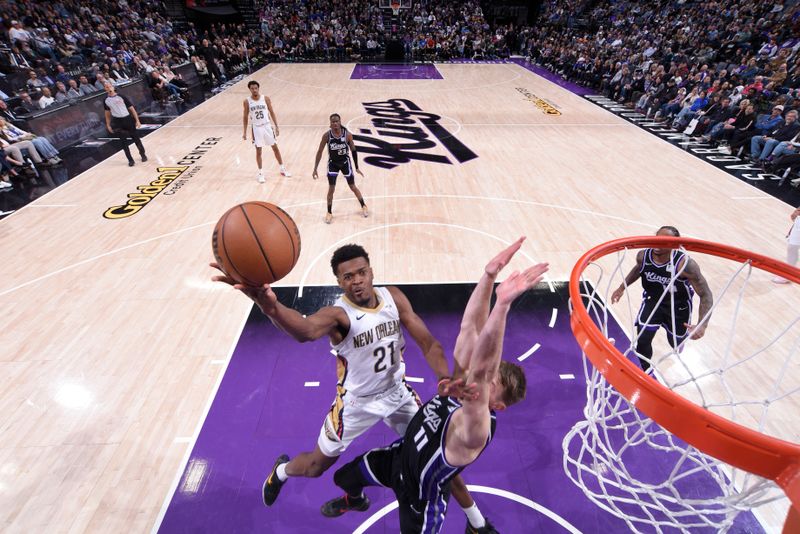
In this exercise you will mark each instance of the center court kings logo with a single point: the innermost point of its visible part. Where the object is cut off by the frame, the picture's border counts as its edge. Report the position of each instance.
(397, 130)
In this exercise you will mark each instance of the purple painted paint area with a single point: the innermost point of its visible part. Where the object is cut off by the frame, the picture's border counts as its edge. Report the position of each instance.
(262, 410)
(556, 79)
(424, 71)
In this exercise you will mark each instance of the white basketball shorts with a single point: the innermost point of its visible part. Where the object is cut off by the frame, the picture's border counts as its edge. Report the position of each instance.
(351, 416)
(263, 136)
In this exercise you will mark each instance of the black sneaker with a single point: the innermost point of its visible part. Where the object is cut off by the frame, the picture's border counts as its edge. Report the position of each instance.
(488, 528)
(272, 485)
(131, 163)
(144, 158)
(340, 505)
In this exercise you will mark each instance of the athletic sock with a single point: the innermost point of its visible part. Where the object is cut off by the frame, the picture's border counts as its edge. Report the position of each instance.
(281, 472)
(474, 516)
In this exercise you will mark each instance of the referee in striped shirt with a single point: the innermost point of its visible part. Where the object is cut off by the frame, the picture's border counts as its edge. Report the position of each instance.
(122, 121)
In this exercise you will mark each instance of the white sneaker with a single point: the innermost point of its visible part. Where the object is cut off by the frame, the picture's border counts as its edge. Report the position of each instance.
(260, 178)
(5, 185)
(725, 149)
(285, 172)
(780, 280)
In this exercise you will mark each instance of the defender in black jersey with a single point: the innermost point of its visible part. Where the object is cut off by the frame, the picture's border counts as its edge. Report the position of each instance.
(669, 280)
(448, 433)
(340, 144)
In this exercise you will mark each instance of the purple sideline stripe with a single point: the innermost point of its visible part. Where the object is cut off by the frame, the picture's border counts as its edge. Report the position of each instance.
(422, 71)
(546, 74)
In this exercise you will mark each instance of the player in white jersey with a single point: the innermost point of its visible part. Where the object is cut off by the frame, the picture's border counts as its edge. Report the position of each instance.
(364, 327)
(264, 126)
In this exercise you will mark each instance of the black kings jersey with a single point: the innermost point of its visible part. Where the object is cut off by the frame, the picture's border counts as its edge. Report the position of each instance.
(658, 278)
(424, 469)
(338, 149)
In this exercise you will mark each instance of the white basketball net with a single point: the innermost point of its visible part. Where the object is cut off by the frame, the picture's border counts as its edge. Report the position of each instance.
(610, 455)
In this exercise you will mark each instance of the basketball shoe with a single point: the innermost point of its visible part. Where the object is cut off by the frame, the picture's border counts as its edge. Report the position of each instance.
(364, 211)
(260, 177)
(285, 172)
(272, 485)
(488, 528)
(328, 218)
(338, 506)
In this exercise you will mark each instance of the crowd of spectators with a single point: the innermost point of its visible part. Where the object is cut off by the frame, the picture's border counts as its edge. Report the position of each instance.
(726, 71)
(339, 30)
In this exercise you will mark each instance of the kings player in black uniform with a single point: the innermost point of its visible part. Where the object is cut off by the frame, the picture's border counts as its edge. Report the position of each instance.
(340, 144)
(673, 275)
(448, 433)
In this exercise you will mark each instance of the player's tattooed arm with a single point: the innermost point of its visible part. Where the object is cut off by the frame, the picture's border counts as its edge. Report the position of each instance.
(700, 285)
(630, 278)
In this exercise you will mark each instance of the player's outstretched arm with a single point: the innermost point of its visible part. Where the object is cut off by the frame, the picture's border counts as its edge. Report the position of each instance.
(630, 278)
(472, 422)
(430, 346)
(477, 309)
(308, 328)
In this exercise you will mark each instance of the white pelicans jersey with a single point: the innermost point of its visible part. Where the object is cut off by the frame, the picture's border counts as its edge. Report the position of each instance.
(370, 357)
(259, 113)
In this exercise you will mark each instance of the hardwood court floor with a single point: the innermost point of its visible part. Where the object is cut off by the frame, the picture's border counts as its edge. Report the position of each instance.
(113, 336)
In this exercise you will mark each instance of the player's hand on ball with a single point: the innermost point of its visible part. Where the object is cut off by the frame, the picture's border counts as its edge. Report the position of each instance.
(696, 331)
(263, 296)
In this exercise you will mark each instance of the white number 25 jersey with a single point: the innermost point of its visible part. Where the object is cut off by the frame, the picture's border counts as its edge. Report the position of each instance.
(370, 357)
(259, 113)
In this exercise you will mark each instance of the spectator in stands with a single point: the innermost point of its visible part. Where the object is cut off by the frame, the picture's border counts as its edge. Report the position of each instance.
(14, 149)
(766, 123)
(6, 113)
(17, 34)
(210, 54)
(738, 127)
(61, 93)
(26, 103)
(100, 81)
(46, 99)
(73, 91)
(34, 82)
(761, 146)
(61, 74)
(13, 134)
(86, 88)
(7, 170)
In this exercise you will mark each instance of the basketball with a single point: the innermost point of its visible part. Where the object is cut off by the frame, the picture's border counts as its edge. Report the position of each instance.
(256, 243)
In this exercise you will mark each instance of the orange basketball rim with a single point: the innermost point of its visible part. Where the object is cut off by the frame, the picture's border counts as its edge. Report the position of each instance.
(739, 446)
